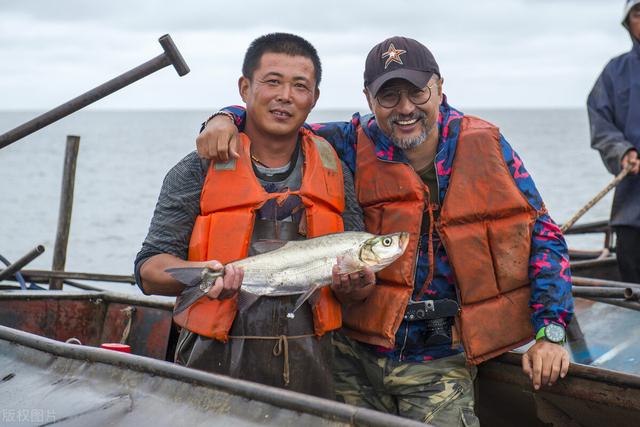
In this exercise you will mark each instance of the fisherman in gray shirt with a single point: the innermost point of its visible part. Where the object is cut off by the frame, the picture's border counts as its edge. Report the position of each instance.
(281, 73)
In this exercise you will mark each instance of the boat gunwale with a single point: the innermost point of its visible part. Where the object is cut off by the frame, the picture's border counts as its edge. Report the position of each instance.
(512, 358)
(599, 374)
(106, 295)
(322, 408)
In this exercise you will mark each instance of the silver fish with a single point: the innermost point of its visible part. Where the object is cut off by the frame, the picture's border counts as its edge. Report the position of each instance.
(297, 267)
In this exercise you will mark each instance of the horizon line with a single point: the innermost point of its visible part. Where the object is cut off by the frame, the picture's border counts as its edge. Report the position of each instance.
(350, 109)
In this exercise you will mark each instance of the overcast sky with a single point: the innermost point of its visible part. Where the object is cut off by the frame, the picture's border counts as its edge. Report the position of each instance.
(492, 53)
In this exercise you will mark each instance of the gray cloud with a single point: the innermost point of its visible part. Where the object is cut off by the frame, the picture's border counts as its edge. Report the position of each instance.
(492, 53)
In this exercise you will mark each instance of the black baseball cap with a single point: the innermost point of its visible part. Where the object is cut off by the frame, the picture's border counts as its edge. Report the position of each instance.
(399, 58)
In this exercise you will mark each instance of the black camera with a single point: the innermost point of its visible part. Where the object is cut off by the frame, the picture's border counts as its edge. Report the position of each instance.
(437, 315)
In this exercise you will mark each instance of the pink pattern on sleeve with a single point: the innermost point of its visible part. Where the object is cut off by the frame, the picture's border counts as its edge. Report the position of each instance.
(550, 231)
(564, 263)
(539, 264)
(517, 162)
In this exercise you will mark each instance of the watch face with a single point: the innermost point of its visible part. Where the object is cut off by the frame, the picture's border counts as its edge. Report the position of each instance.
(554, 332)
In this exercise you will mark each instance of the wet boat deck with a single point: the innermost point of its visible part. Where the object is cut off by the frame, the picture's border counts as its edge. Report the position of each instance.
(612, 336)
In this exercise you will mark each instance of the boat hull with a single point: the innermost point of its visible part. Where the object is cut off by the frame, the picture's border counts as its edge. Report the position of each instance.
(93, 318)
(45, 381)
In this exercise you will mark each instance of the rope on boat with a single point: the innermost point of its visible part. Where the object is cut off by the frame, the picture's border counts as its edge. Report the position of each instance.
(567, 225)
(128, 311)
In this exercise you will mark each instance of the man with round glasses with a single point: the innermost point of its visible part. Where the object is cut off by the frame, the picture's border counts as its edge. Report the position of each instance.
(500, 274)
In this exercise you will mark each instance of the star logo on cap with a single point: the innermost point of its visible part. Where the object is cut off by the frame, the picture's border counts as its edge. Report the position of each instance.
(393, 55)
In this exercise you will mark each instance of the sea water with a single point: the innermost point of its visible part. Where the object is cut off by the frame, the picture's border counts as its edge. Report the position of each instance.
(124, 156)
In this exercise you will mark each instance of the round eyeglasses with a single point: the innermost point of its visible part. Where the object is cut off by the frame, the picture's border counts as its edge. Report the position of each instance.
(391, 96)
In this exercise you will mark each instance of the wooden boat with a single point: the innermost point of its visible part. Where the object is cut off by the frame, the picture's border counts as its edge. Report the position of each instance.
(603, 386)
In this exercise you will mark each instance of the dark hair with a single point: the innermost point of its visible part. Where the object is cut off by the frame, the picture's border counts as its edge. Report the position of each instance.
(289, 44)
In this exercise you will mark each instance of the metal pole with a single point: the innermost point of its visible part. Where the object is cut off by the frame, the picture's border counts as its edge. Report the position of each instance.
(587, 281)
(171, 56)
(620, 303)
(632, 294)
(598, 292)
(44, 276)
(26, 259)
(94, 288)
(66, 207)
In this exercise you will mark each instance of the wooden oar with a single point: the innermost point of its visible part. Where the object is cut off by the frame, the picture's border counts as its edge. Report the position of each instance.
(567, 225)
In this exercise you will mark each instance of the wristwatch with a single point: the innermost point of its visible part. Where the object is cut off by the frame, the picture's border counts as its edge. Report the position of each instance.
(553, 332)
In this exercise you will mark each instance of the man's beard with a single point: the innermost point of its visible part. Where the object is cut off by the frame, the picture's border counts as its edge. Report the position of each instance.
(408, 143)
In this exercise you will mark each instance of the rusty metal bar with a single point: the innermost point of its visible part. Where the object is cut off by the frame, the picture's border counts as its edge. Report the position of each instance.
(598, 292)
(632, 294)
(66, 207)
(17, 266)
(632, 305)
(586, 281)
(591, 227)
(171, 56)
(43, 276)
(91, 288)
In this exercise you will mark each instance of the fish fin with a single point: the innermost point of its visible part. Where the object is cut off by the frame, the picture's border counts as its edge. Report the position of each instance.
(267, 245)
(348, 264)
(190, 276)
(204, 278)
(246, 300)
(303, 298)
(189, 295)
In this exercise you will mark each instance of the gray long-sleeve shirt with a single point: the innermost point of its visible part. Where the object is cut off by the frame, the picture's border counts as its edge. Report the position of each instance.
(179, 204)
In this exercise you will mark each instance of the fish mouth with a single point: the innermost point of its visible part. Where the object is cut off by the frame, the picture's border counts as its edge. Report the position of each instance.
(404, 240)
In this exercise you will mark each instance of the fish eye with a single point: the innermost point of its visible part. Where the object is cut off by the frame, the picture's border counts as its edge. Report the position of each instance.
(386, 241)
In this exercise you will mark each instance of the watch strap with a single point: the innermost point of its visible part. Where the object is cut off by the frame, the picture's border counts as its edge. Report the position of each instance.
(540, 334)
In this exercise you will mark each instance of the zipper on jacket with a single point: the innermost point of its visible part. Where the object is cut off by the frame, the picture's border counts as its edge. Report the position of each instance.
(435, 166)
(404, 342)
(415, 269)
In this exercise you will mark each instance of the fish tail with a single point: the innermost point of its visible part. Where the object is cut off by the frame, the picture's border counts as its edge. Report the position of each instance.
(191, 276)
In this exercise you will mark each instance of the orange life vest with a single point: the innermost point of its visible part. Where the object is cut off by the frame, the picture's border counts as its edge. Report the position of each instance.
(393, 199)
(230, 197)
(485, 225)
